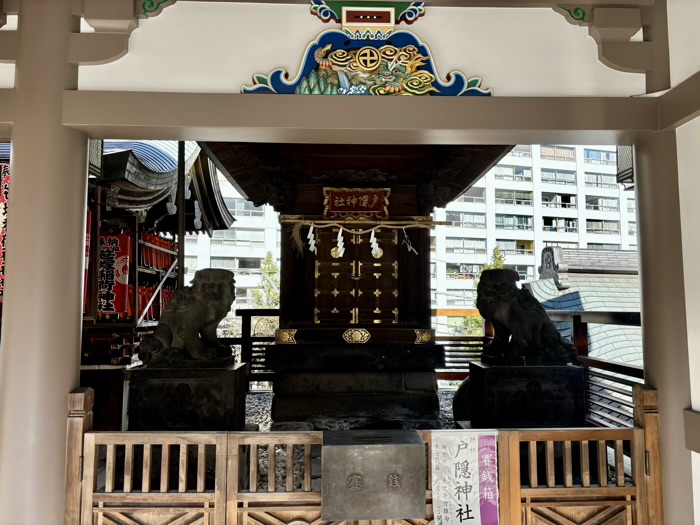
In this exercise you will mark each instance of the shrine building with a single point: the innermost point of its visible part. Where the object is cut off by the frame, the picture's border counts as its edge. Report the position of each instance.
(355, 120)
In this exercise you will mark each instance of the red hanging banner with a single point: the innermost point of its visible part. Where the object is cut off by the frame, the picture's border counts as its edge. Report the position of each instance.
(113, 274)
(4, 192)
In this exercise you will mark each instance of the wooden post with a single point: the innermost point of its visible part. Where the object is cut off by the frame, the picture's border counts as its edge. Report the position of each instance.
(509, 477)
(80, 403)
(579, 333)
(646, 416)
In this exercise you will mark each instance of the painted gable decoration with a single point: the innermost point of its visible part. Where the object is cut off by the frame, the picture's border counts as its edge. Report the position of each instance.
(367, 57)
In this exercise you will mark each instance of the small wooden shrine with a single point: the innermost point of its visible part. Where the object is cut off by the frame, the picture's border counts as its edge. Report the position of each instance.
(355, 339)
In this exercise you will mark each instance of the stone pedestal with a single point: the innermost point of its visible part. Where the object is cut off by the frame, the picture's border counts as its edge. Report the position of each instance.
(356, 386)
(187, 399)
(527, 396)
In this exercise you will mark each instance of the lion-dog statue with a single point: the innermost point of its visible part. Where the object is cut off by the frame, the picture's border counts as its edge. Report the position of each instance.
(523, 332)
(186, 333)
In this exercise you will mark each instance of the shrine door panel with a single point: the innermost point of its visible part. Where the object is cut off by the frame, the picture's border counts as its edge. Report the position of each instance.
(357, 287)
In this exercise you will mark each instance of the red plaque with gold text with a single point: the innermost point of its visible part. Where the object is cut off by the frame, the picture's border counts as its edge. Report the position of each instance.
(358, 203)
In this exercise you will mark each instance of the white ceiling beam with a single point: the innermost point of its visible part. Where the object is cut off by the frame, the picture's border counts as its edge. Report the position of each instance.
(359, 120)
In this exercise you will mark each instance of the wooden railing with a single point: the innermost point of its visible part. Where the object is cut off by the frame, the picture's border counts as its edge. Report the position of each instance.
(253, 344)
(609, 385)
(556, 476)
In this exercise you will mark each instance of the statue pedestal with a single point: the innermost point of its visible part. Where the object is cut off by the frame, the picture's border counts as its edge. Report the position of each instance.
(527, 396)
(384, 386)
(186, 398)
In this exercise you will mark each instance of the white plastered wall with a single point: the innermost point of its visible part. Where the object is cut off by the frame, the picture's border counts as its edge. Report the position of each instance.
(684, 39)
(7, 71)
(217, 47)
(688, 139)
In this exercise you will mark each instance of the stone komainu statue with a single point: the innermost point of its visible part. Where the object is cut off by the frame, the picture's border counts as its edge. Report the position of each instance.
(524, 334)
(186, 332)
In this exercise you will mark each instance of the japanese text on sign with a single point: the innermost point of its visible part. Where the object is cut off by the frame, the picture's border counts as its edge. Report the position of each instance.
(465, 478)
(356, 202)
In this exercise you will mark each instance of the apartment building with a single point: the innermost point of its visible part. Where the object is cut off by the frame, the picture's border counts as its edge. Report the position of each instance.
(537, 196)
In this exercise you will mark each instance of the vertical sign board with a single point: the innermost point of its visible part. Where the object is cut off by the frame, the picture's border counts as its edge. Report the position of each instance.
(465, 477)
(113, 274)
(4, 192)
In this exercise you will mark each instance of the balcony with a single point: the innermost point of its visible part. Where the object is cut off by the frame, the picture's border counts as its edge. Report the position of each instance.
(560, 229)
(561, 182)
(517, 251)
(566, 205)
(514, 202)
(608, 185)
(514, 178)
(601, 207)
(460, 224)
(602, 231)
(471, 199)
(519, 227)
(460, 275)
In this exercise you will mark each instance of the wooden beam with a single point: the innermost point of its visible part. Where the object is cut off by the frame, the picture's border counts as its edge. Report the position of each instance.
(681, 104)
(7, 112)
(354, 120)
(479, 3)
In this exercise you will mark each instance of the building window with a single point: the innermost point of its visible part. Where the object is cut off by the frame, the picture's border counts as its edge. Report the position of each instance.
(602, 203)
(632, 228)
(521, 151)
(242, 297)
(558, 200)
(433, 270)
(631, 206)
(601, 180)
(565, 178)
(569, 245)
(465, 245)
(228, 263)
(560, 153)
(461, 297)
(248, 263)
(603, 227)
(433, 298)
(475, 195)
(517, 198)
(235, 263)
(514, 222)
(461, 271)
(511, 247)
(514, 173)
(243, 207)
(559, 224)
(524, 272)
(602, 246)
(596, 156)
(239, 237)
(466, 220)
(190, 263)
(191, 239)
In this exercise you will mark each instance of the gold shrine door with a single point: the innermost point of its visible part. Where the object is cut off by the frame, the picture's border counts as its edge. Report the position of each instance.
(357, 288)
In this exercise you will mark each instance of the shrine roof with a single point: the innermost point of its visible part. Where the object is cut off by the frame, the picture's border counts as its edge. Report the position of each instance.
(597, 292)
(257, 171)
(599, 261)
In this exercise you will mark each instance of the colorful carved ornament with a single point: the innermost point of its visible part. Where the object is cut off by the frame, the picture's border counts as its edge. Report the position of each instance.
(367, 57)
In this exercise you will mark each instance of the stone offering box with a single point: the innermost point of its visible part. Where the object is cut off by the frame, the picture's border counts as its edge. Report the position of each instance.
(373, 475)
(527, 396)
(187, 398)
